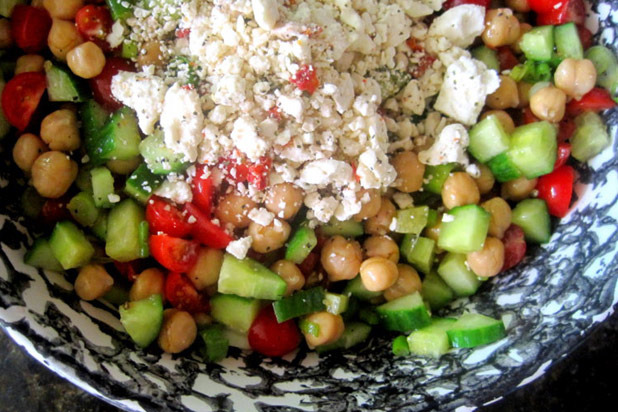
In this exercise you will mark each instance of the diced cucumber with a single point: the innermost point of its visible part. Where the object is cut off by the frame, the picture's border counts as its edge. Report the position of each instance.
(412, 220)
(436, 292)
(235, 312)
(533, 149)
(488, 139)
(216, 344)
(353, 334)
(117, 295)
(301, 303)
(6, 6)
(142, 319)
(404, 314)
(142, 183)
(301, 244)
(532, 216)
(93, 117)
(419, 252)
(606, 65)
(249, 279)
(391, 81)
(32, 202)
(538, 43)
(236, 339)
(348, 228)
(457, 275)
(503, 168)
(41, 256)
(352, 309)
(120, 9)
(488, 56)
(474, 329)
(464, 229)
(356, 288)
(70, 246)
(144, 236)
(63, 85)
(83, 209)
(568, 44)
(123, 241)
(432, 340)
(335, 303)
(590, 136)
(161, 160)
(369, 315)
(435, 176)
(102, 186)
(400, 346)
(130, 50)
(100, 226)
(119, 139)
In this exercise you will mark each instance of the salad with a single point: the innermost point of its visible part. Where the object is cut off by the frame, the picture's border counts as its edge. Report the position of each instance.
(266, 174)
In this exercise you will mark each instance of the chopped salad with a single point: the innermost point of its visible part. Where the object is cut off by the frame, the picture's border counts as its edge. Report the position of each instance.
(264, 174)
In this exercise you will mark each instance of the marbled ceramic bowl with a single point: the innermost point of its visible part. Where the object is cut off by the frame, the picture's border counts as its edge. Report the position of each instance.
(548, 303)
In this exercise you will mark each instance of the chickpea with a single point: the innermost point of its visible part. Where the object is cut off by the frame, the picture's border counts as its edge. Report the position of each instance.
(408, 282)
(575, 77)
(518, 189)
(178, 331)
(379, 224)
(330, 328)
(523, 29)
(371, 202)
(382, 246)
(521, 6)
(62, 38)
(271, 237)
(53, 173)
(341, 258)
(488, 261)
(378, 273)
(26, 150)
(549, 104)
(284, 200)
(92, 282)
(501, 28)
(503, 117)
(485, 182)
(500, 216)
(150, 54)
(234, 209)
(123, 167)
(63, 9)
(460, 189)
(6, 39)
(410, 172)
(60, 131)
(29, 63)
(523, 91)
(86, 60)
(292, 275)
(206, 270)
(506, 96)
(433, 232)
(149, 282)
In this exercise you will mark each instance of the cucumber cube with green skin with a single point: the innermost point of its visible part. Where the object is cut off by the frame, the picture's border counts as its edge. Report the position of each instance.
(347, 228)
(6, 6)
(404, 314)
(419, 252)
(503, 168)
(102, 186)
(117, 295)
(118, 139)
(412, 220)
(161, 160)
(488, 139)
(568, 44)
(400, 346)
(41, 256)
(432, 340)
(236, 339)
(606, 65)
(100, 226)
(533, 149)
(121, 9)
(235, 312)
(487, 56)
(435, 176)
(93, 117)
(302, 302)
(436, 292)
(130, 50)
(533, 218)
(356, 288)
(216, 344)
(353, 334)
(464, 229)
(63, 85)
(474, 329)
(248, 278)
(123, 242)
(538, 43)
(301, 244)
(456, 273)
(142, 319)
(142, 183)
(590, 136)
(335, 303)
(83, 209)
(70, 246)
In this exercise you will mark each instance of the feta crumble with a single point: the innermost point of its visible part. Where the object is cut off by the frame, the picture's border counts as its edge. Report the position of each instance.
(239, 248)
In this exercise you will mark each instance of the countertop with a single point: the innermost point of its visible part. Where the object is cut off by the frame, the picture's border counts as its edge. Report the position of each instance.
(586, 381)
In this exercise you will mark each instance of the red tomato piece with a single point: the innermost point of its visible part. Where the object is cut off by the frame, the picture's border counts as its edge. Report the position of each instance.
(203, 190)
(413, 45)
(130, 270)
(205, 231)
(271, 338)
(275, 113)
(454, 3)
(102, 84)
(308, 265)
(425, 62)
(514, 246)
(306, 79)
(556, 189)
(563, 11)
(563, 154)
(543, 6)
(507, 58)
(182, 33)
(29, 27)
(181, 294)
(257, 173)
(234, 168)
(94, 23)
(21, 97)
(163, 216)
(566, 128)
(585, 36)
(595, 100)
(55, 210)
(528, 117)
(173, 253)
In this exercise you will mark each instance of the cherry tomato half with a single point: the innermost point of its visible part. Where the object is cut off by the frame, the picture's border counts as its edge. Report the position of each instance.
(94, 23)
(173, 253)
(514, 246)
(563, 11)
(563, 154)
(542, 6)
(102, 84)
(205, 231)
(506, 58)
(566, 128)
(29, 27)
(55, 210)
(181, 294)
(163, 216)
(271, 338)
(556, 189)
(21, 97)
(595, 100)
(203, 190)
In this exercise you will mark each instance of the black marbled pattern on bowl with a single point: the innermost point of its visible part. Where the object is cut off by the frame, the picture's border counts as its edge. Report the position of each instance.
(548, 304)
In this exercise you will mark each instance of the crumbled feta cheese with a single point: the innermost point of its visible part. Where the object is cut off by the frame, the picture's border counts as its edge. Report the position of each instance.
(113, 198)
(261, 216)
(411, 99)
(246, 139)
(460, 24)
(374, 170)
(115, 37)
(182, 120)
(327, 171)
(449, 147)
(266, 13)
(473, 170)
(178, 191)
(447, 218)
(321, 208)
(239, 248)
(403, 200)
(293, 106)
